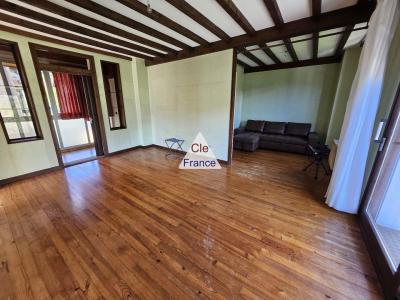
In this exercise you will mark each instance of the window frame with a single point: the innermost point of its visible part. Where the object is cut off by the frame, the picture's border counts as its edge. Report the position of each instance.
(28, 95)
(120, 96)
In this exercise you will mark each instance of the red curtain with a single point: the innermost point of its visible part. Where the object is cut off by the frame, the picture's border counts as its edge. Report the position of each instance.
(71, 96)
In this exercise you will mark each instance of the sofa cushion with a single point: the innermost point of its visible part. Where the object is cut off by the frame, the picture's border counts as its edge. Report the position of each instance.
(255, 126)
(275, 127)
(283, 139)
(276, 138)
(298, 129)
(283, 147)
(247, 137)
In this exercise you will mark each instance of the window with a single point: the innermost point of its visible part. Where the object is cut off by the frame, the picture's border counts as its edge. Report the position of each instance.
(115, 103)
(17, 116)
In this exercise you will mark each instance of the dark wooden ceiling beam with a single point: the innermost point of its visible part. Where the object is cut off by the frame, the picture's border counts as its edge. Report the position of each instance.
(237, 15)
(269, 53)
(193, 13)
(110, 14)
(69, 14)
(61, 42)
(276, 15)
(160, 18)
(316, 9)
(315, 42)
(67, 35)
(22, 11)
(274, 11)
(243, 64)
(290, 49)
(303, 63)
(333, 19)
(343, 40)
(251, 56)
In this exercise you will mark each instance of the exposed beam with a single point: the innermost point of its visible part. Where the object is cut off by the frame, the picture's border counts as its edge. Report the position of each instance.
(270, 53)
(11, 7)
(274, 11)
(290, 49)
(303, 63)
(251, 56)
(193, 13)
(276, 15)
(61, 42)
(343, 40)
(160, 18)
(333, 19)
(110, 14)
(69, 14)
(67, 35)
(316, 8)
(315, 42)
(243, 64)
(237, 15)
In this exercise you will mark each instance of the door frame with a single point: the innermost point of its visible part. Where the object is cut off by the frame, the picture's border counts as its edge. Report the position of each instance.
(390, 281)
(99, 135)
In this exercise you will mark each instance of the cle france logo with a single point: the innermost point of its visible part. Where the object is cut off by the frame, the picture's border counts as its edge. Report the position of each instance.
(199, 156)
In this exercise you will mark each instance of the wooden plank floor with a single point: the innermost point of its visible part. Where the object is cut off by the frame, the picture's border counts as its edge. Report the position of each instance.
(134, 226)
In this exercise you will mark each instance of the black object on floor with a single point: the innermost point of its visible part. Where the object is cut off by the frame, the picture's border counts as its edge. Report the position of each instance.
(318, 153)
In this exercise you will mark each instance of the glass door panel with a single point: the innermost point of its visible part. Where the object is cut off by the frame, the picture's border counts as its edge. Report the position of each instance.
(380, 216)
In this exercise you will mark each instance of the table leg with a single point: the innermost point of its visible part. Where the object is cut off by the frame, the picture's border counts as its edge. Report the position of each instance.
(309, 165)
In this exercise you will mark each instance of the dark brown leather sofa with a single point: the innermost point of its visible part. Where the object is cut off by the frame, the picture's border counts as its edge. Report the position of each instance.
(290, 137)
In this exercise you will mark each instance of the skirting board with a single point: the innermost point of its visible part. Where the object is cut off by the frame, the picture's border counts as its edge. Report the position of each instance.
(29, 175)
(44, 171)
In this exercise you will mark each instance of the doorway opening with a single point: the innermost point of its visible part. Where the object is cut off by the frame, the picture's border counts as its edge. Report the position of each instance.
(68, 97)
(67, 81)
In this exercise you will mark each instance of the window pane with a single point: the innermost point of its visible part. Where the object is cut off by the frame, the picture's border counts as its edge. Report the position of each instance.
(114, 116)
(113, 92)
(14, 107)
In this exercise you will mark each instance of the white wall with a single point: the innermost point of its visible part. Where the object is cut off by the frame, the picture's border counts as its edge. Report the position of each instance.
(192, 95)
(348, 70)
(238, 96)
(141, 88)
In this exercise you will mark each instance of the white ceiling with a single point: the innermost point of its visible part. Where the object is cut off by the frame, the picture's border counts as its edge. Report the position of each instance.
(216, 14)
(294, 9)
(174, 14)
(255, 12)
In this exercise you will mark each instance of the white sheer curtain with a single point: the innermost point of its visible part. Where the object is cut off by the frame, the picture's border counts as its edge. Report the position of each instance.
(344, 192)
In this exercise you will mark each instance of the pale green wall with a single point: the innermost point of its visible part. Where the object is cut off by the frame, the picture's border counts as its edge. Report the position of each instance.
(22, 158)
(390, 86)
(192, 95)
(238, 96)
(141, 88)
(295, 95)
(347, 72)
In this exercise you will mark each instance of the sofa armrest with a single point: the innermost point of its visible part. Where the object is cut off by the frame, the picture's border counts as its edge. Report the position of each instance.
(313, 138)
(239, 130)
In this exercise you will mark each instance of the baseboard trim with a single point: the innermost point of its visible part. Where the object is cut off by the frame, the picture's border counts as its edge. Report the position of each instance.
(125, 150)
(29, 175)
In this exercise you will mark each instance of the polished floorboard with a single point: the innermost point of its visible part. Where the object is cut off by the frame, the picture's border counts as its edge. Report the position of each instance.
(134, 226)
(80, 154)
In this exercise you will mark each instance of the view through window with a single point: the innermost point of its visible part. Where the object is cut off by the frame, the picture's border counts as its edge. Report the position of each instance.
(16, 111)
